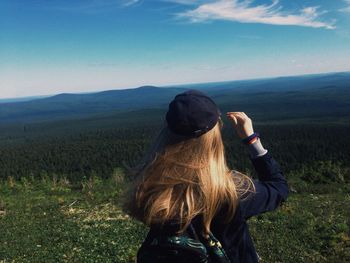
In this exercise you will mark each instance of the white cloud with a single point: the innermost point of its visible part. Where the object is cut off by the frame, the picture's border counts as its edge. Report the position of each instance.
(347, 8)
(244, 11)
(89, 7)
(131, 2)
(185, 2)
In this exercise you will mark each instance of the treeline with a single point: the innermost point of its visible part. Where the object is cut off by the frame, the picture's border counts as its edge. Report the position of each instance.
(296, 147)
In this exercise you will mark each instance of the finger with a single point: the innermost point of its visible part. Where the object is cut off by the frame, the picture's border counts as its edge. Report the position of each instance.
(239, 117)
(232, 113)
(236, 113)
(233, 118)
(242, 116)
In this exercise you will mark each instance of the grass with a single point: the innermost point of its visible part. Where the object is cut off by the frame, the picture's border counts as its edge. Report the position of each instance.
(308, 228)
(51, 220)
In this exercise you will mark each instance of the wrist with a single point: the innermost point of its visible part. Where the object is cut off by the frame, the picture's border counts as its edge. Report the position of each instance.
(251, 138)
(256, 149)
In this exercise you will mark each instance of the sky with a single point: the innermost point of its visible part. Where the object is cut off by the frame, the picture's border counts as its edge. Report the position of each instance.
(54, 46)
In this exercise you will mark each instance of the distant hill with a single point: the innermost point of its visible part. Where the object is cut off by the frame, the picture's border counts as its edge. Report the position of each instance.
(11, 100)
(297, 97)
(67, 106)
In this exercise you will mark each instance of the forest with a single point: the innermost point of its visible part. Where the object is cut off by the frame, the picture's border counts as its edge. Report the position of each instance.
(298, 147)
(60, 194)
(63, 171)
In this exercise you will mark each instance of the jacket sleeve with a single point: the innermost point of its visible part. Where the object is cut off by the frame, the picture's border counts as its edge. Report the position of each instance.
(271, 187)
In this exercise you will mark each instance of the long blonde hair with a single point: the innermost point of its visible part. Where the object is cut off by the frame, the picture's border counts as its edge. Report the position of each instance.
(179, 179)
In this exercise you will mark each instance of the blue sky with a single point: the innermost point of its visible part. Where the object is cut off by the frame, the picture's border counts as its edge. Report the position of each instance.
(53, 46)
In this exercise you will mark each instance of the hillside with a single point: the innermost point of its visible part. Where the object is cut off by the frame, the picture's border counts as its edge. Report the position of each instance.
(62, 168)
(67, 106)
(280, 99)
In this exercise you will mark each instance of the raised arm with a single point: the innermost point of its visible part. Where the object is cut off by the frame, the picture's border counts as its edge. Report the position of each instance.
(271, 185)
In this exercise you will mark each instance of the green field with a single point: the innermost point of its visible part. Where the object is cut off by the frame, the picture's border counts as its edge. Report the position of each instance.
(60, 190)
(52, 220)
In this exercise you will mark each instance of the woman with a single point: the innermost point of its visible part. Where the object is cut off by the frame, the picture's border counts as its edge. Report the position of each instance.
(184, 179)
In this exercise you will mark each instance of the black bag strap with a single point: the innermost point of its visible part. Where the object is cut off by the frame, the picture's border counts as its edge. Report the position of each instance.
(215, 250)
(188, 247)
(172, 249)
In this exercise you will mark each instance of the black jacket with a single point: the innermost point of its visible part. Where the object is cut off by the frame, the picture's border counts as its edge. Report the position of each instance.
(271, 191)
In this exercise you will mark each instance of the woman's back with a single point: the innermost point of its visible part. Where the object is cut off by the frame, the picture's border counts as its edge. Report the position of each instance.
(184, 179)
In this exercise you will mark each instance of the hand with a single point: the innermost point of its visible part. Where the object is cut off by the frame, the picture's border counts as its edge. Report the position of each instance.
(241, 123)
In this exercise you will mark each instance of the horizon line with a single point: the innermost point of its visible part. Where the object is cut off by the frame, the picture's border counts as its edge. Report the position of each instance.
(4, 99)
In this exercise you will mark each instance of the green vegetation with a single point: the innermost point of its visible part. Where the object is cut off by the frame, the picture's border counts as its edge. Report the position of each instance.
(60, 193)
(308, 228)
(60, 189)
(53, 220)
(81, 154)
